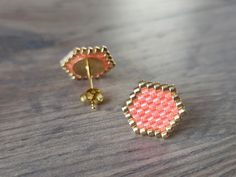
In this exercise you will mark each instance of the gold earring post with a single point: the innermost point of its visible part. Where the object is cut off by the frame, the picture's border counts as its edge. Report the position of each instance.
(92, 95)
(88, 73)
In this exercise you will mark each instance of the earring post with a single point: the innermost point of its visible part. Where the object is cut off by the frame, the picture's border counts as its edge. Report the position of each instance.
(89, 73)
(87, 67)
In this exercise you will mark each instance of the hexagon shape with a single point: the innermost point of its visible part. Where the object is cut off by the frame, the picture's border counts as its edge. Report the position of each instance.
(100, 61)
(153, 109)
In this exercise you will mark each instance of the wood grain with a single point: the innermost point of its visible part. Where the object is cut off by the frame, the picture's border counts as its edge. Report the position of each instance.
(46, 132)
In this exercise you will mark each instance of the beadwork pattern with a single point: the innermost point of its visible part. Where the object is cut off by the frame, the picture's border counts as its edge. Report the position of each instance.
(153, 109)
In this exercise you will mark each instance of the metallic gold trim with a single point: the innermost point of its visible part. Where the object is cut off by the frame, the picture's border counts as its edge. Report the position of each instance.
(157, 134)
(150, 133)
(143, 131)
(135, 129)
(164, 135)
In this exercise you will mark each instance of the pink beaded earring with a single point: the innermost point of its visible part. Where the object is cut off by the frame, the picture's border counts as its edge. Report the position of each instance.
(153, 109)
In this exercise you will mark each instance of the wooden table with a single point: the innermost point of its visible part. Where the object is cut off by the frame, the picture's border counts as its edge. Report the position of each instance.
(47, 132)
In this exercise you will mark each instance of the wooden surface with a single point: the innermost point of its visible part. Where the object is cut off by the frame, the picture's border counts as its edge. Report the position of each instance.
(46, 132)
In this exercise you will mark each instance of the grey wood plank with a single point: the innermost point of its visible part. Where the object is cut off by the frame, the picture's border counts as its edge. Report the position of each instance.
(46, 132)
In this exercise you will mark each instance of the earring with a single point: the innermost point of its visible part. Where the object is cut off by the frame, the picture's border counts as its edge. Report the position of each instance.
(88, 63)
(153, 109)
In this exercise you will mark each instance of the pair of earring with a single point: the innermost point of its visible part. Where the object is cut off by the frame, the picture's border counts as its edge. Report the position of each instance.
(152, 109)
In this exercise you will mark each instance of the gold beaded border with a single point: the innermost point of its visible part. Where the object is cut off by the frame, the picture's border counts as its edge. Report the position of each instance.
(87, 50)
(156, 86)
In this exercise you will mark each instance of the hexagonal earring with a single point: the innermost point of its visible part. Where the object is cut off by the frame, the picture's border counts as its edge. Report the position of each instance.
(88, 63)
(153, 109)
